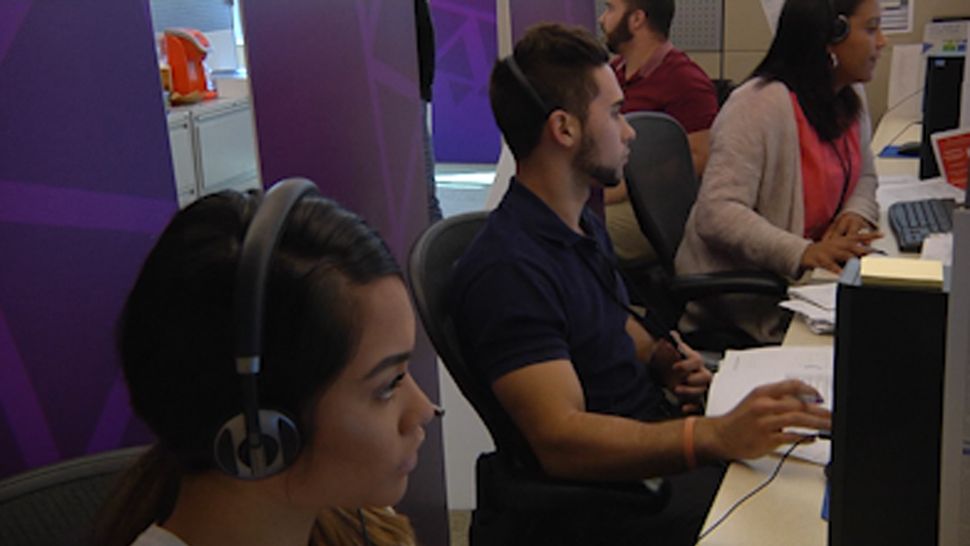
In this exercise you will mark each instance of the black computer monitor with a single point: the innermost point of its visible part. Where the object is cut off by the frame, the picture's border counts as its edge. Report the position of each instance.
(890, 345)
(941, 105)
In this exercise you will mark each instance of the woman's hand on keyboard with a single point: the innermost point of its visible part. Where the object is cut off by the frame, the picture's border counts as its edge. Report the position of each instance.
(849, 223)
(833, 252)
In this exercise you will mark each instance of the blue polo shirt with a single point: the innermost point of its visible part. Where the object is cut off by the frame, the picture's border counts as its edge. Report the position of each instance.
(530, 290)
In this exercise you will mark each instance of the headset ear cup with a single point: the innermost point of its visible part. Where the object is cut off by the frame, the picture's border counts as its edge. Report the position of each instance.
(225, 449)
(281, 445)
(840, 29)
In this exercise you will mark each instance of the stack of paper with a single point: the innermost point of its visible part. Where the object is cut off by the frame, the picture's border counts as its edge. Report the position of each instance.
(905, 272)
(815, 303)
(741, 371)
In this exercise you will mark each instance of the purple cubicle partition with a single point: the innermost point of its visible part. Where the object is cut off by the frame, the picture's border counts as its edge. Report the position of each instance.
(335, 98)
(525, 13)
(85, 184)
(467, 132)
(466, 47)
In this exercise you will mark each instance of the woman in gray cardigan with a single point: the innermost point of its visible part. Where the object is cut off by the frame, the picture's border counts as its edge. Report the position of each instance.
(790, 183)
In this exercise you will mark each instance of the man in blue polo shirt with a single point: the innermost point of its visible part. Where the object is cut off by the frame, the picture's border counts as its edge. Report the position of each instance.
(543, 315)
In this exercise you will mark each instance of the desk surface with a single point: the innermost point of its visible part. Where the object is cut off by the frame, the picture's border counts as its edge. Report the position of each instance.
(790, 506)
(895, 131)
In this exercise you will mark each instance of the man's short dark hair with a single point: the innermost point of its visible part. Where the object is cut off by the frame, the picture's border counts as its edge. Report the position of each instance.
(660, 13)
(558, 61)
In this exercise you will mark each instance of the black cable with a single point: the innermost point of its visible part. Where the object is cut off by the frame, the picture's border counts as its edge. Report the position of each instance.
(900, 102)
(754, 491)
(846, 165)
(892, 141)
(363, 527)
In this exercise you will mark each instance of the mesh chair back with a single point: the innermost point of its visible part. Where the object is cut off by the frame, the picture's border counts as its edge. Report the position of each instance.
(56, 505)
(431, 263)
(661, 182)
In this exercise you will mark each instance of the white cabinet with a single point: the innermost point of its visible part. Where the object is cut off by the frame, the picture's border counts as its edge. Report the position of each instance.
(226, 141)
(183, 157)
(213, 148)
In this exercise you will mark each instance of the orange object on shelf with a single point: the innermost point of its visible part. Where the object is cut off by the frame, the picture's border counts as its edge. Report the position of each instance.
(186, 49)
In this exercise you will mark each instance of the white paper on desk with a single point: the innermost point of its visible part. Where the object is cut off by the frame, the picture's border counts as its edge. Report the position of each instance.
(821, 295)
(890, 179)
(934, 188)
(821, 275)
(938, 246)
(818, 320)
(741, 371)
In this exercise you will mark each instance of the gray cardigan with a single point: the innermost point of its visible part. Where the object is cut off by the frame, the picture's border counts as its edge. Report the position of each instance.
(749, 213)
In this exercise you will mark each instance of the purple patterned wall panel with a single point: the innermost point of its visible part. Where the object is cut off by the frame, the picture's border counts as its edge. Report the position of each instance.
(85, 184)
(341, 109)
(525, 13)
(464, 131)
(465, 38)
(335, 97)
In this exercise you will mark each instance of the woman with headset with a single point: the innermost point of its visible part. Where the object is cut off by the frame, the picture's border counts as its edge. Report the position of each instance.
(266, 343)
(790, 182)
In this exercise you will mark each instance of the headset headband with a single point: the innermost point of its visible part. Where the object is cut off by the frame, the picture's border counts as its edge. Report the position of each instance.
(258, 245)
(840, 25)
(527, 87)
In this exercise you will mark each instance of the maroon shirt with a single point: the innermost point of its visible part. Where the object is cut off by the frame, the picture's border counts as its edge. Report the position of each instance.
(670, 83)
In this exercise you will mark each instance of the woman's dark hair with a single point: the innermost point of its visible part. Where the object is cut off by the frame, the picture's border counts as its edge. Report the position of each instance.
(176, 333)
(799, 58)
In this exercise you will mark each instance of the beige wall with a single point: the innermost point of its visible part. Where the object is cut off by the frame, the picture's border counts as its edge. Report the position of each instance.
(747, 37)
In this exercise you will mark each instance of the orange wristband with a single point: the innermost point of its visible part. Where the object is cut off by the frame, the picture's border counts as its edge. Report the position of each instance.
(689, 456)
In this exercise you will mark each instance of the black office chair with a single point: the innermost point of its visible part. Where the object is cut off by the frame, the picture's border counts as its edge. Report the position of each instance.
(516, 502)
(56, 505)
(662, 188)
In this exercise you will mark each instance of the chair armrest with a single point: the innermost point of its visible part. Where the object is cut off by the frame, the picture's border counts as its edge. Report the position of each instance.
(695, 287)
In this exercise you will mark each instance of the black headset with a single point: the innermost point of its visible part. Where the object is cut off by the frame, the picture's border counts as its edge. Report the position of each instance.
(840, 25)
(258, 442)
(524, 84)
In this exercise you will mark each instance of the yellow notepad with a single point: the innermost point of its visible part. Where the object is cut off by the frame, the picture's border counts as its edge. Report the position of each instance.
(908, 272)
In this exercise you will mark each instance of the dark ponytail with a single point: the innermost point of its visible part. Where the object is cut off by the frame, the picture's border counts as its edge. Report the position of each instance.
(143, 495)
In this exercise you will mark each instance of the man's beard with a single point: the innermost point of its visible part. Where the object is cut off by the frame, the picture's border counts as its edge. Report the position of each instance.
(620, 34)
(608, 177)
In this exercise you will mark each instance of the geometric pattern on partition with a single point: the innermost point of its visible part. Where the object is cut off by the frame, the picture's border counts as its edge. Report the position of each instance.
(85, 185)
(466, 48)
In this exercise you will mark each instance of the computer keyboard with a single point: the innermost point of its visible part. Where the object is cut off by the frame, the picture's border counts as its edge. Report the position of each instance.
(913, 221)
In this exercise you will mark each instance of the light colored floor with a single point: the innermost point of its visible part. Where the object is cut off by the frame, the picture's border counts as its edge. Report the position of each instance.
(459, 521)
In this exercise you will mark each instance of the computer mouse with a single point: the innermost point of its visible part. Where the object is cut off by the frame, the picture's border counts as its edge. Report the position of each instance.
(909, 149)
